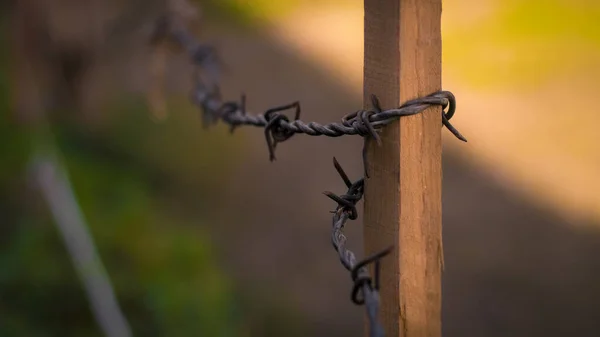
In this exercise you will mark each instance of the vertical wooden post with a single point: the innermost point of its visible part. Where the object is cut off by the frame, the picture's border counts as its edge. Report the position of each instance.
(403, 191)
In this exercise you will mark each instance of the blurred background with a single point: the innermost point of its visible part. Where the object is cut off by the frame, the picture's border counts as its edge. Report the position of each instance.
(200, 235)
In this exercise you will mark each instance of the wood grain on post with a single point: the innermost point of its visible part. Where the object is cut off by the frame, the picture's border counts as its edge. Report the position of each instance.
(403, 191)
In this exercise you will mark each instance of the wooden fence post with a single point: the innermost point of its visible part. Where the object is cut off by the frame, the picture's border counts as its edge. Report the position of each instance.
(403, 191)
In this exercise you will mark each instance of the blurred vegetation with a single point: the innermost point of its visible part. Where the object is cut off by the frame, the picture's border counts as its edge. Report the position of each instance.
(145, 191)
(162, 264)
(517, 43)
(259, 12)
(524, 43)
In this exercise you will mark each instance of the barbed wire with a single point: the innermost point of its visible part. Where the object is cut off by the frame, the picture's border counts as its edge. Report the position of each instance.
(346, 210)
(278, 128)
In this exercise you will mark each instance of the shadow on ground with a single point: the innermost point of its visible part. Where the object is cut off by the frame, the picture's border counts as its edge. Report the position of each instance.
(512, 268)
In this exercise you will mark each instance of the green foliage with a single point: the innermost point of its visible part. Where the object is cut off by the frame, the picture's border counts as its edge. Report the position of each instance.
(162, 266)
(166, 278)
(162, 258)
(161, 262)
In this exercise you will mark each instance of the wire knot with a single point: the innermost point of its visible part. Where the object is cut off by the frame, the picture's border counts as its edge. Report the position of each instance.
(275, 132)
(443, 98)
(361, 120)
(447, 114)
(347, 202)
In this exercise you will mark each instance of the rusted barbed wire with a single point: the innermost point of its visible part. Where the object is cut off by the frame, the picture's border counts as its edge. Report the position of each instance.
(278, 128)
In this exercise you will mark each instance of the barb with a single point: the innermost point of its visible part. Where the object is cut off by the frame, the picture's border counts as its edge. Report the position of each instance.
(277, 125)
(365, 290)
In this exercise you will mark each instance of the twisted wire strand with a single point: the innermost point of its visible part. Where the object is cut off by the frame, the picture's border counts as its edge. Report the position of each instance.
(277, 126)
(365, 289)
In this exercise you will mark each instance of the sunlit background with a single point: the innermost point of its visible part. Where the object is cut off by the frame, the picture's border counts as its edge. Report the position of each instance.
(200, 235)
